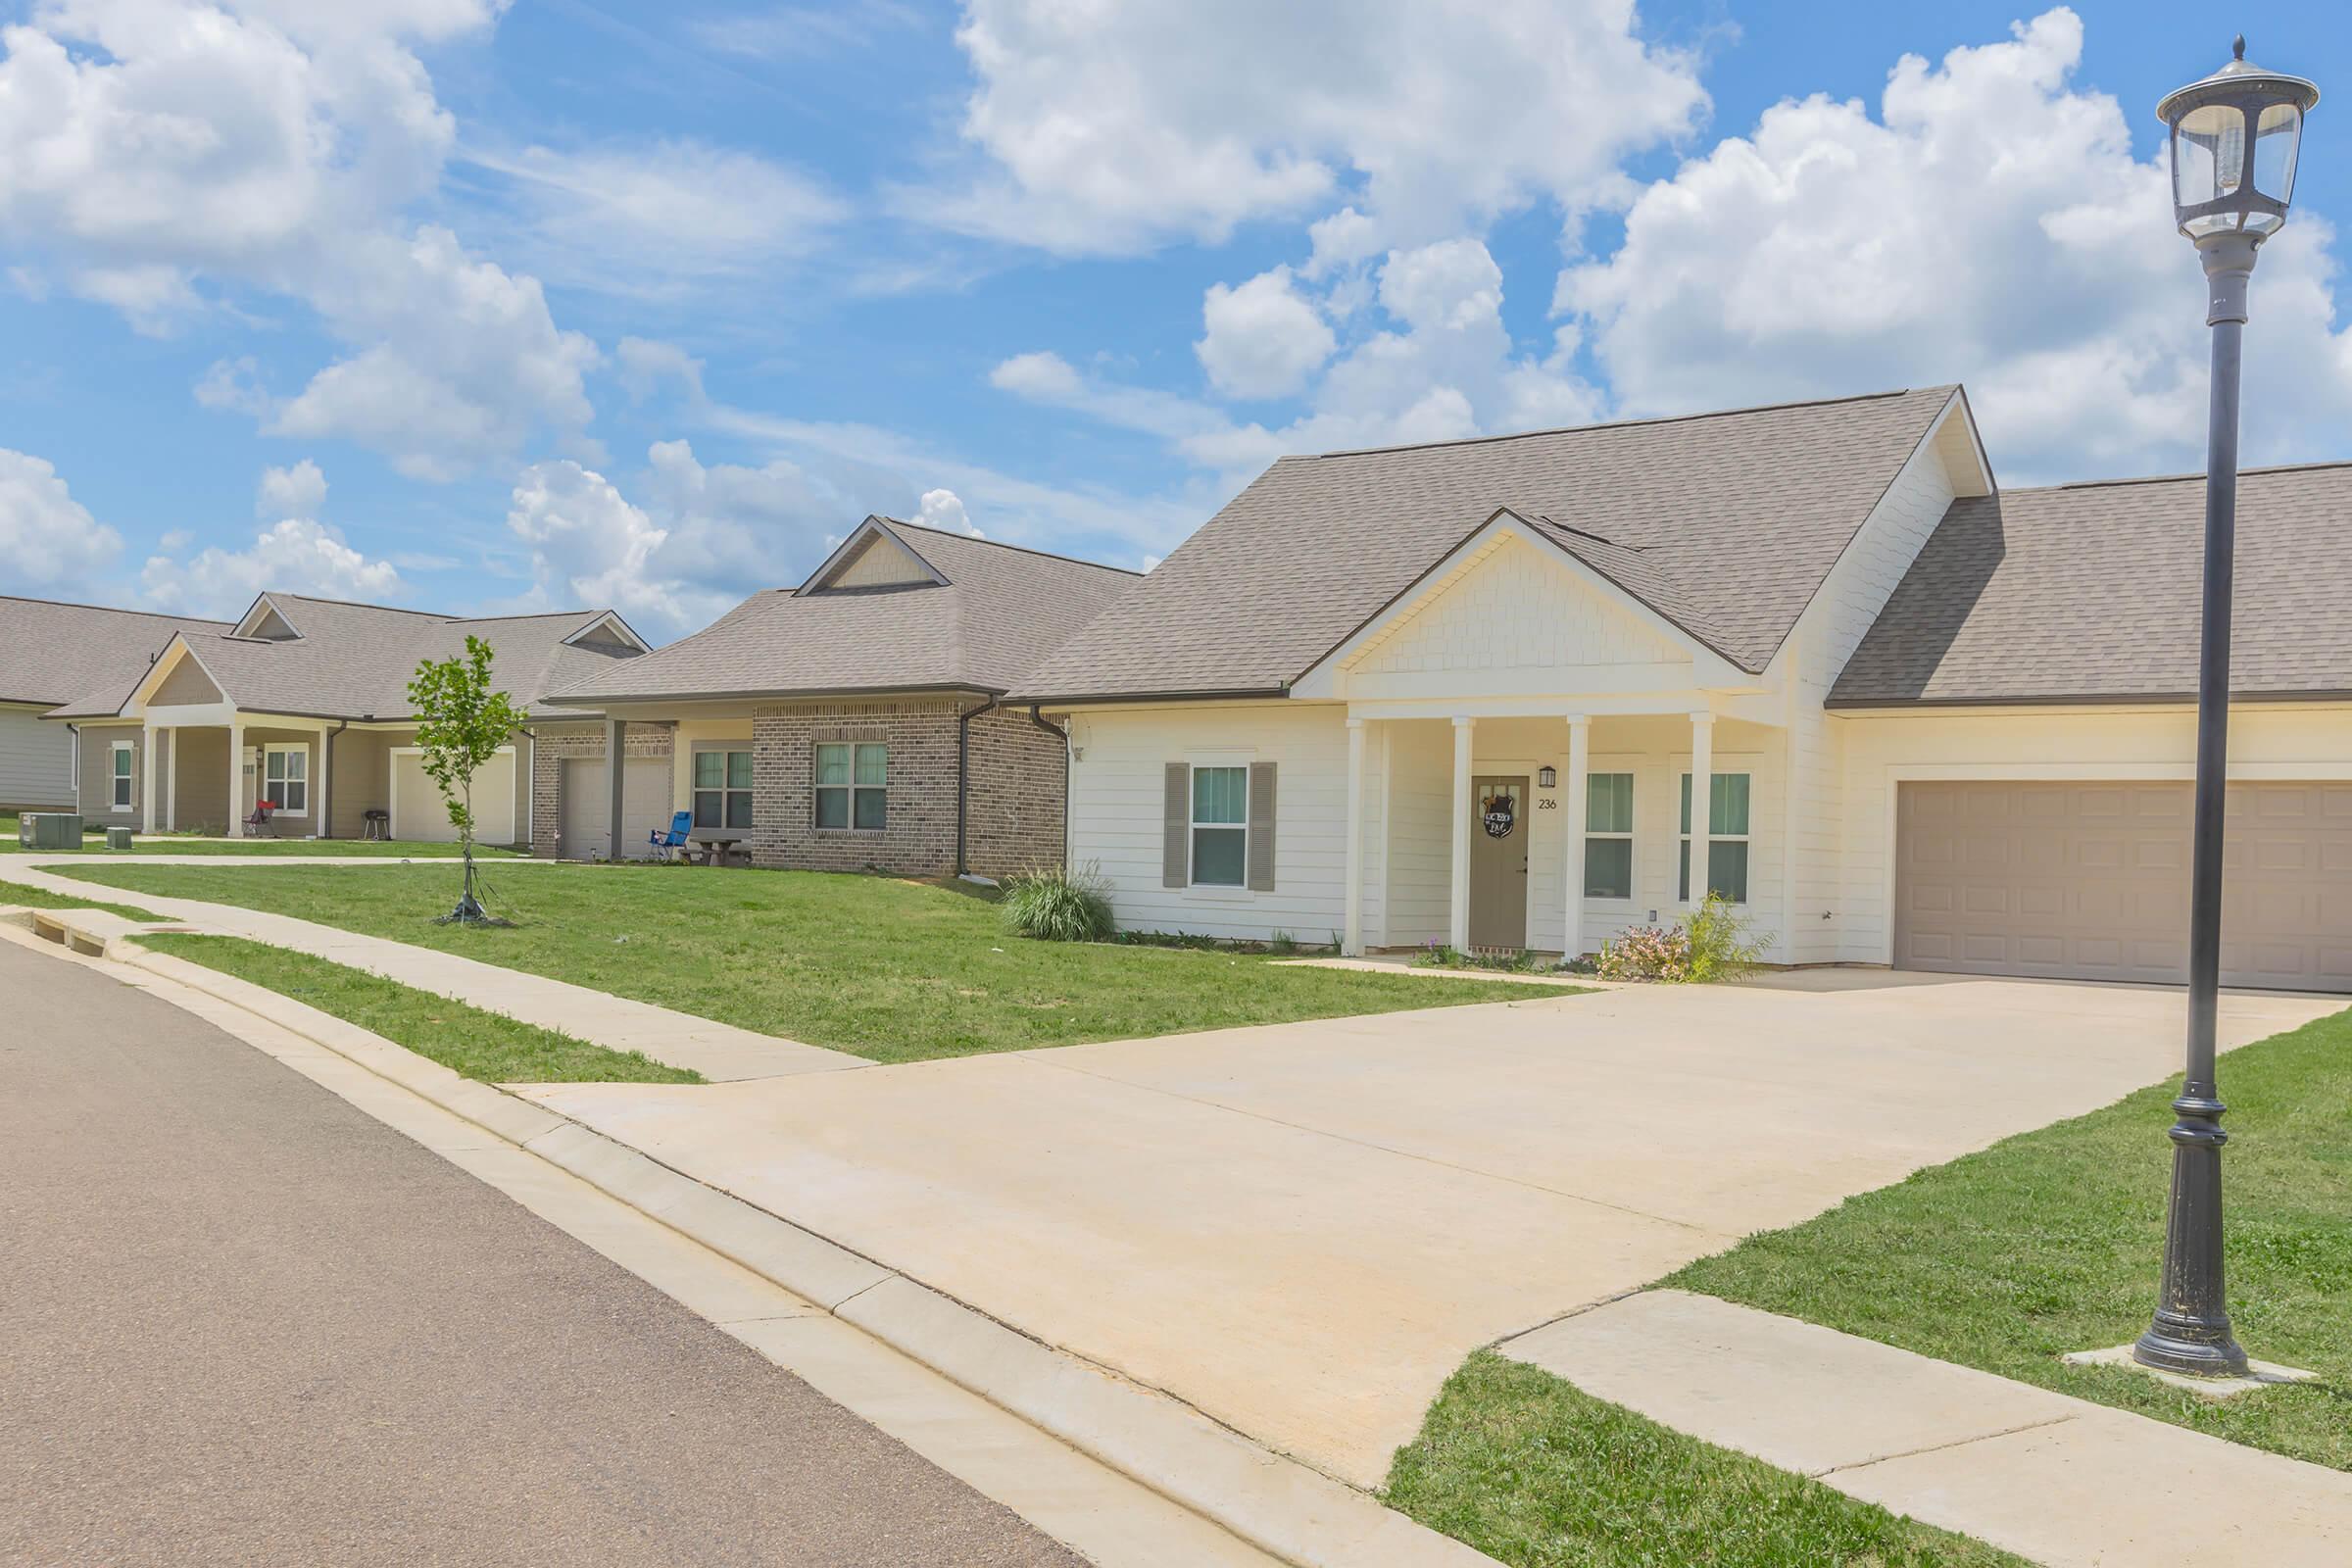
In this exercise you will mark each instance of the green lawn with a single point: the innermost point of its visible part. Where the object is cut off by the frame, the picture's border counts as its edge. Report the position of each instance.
(94, 843)
(896, 971)
(2049, 1242)
(1526, 1468)
(480, 1045)
(32, 897)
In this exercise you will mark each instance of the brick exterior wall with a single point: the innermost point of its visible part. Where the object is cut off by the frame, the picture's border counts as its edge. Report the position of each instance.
(1016, 789)
(1016, 803)
(557, 743)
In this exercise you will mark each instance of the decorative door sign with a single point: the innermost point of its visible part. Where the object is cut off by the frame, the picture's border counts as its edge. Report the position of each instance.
(1501, 815)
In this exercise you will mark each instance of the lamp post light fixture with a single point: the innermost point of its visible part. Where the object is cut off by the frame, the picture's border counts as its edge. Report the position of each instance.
(2234, 136)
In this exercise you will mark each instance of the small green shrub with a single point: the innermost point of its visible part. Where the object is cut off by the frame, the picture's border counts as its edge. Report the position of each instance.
(1711, 945)
(1056, 904)
(1715, 935)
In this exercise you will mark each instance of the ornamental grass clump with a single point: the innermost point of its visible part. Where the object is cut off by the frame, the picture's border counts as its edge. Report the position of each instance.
(1055, 904)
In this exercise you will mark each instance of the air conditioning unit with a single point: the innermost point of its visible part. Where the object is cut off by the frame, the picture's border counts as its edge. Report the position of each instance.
(49, 830)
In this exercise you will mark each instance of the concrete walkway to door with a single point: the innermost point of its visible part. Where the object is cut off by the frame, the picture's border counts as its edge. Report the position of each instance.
(1303, 1229)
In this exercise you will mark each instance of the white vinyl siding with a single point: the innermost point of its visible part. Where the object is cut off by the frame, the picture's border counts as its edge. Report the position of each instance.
(36, 761)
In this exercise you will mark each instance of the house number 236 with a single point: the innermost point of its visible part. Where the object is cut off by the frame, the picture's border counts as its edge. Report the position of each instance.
(1545, 802)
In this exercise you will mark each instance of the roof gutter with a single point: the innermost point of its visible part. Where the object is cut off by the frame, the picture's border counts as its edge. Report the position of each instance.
(1097, 699)
(582, 699)
(2188, 699)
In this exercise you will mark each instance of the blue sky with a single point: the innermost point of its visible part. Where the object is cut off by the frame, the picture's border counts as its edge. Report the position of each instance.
(480, 307)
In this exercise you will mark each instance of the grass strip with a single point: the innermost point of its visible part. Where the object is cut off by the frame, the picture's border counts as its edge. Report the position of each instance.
(1531, 1470)
(32, 897)
(887, 969)
(2050, 1241)
(467, 1040)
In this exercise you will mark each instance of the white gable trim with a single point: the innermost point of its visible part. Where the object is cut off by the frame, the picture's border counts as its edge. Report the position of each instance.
(611, 619)
(855, 545)
(263, 607)
(165, 663)
(1326, 680)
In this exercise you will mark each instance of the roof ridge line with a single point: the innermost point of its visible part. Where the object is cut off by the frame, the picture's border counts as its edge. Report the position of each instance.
(114, 609)
(1002, 544)
(2175, 478)
(1615, 424)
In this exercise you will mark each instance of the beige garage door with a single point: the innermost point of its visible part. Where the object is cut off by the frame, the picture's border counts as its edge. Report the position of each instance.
(2089, 881)
(645, 806)
(419, 813)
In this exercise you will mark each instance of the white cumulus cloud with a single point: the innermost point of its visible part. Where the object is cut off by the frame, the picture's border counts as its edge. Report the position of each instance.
(1114, 127)
(1263, 338)
(49, 539)
(294, 554)
(1991, 223)
(296, 492)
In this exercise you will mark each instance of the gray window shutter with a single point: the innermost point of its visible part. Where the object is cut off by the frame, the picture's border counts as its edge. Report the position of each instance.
(1261, 827)
(1176, 828)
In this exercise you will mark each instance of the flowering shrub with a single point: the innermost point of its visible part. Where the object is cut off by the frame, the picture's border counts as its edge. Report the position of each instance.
(1711, 944)
(1647, 953)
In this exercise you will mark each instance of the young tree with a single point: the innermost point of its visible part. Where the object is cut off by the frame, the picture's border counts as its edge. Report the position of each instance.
(460, 723)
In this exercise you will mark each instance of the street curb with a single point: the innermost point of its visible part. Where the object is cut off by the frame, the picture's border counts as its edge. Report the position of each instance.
(1276, 1504)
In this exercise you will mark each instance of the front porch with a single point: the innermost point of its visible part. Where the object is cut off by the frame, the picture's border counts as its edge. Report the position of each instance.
(1553, 832)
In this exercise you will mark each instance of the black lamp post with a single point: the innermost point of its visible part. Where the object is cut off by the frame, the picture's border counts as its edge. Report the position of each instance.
(2234, 137)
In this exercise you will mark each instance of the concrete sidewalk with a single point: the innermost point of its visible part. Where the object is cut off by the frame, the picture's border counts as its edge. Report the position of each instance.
(719, 1051)
(2060, 1479)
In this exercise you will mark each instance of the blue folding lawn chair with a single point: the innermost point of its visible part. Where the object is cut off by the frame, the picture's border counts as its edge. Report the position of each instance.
(675, 840)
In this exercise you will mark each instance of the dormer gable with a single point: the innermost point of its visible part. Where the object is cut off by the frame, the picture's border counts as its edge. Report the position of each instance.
(874, 556)
(265, 621)
(608, 633)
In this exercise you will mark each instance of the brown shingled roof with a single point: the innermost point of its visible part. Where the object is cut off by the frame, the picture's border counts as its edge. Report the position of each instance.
(1724, 522)
(1001, 610)
(52, 653)
(2091, 592)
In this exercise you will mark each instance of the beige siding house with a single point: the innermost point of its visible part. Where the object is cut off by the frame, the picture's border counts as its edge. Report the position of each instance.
(51, 654)
(1468, 693)
(855, 721)
(303, 703)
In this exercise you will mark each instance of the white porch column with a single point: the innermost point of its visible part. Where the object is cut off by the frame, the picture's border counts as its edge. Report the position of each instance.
(1572, 860)
(1457, 911)
(146, 778)
(1352, 937)
(320, 820)
(236, 780)
(1702, 795)
(172, 788)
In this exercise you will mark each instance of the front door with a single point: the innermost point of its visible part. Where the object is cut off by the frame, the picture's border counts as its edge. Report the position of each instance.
(1499, 862)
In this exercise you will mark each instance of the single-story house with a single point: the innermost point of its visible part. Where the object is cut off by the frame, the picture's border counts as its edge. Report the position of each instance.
(1469, 691)
(856, 720)
(304, 703)
(51, 654)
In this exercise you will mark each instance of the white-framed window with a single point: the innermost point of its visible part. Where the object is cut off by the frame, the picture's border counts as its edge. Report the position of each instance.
(853, 785)
(1220, 828)
(1726, 837)
(286, 779)
(722, 789)
(1609, 836)
(123, 785)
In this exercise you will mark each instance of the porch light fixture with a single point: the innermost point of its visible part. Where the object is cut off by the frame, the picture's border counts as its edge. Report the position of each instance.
(1547, 777)
(2234, 138)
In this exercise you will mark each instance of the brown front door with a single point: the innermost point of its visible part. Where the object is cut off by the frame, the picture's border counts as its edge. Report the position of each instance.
(1498, 833)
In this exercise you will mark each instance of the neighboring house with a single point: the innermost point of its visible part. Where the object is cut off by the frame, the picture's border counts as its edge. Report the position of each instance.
(304, 703)
(53, 652)
(854, 721)
(1466, 692)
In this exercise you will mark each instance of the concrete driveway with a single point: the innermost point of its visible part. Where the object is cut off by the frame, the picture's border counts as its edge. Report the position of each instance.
(1303, 1229)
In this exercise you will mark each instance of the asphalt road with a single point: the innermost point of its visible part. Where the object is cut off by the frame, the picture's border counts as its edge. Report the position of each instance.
(241, 1322)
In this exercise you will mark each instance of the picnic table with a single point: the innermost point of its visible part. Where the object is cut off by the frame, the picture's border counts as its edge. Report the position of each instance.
(717, 845)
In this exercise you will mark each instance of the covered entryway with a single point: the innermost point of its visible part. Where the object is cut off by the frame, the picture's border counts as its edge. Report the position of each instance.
(587, 831)
(2089, 880)
(417, 811)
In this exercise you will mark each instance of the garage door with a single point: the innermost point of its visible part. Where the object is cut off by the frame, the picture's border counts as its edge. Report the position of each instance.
(419, 812)
(644, 806)
(2089, 881)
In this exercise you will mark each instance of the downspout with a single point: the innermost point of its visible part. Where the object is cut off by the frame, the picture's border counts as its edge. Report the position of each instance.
(530, 789)
(326, 766)
(1039, 719)
(963, 780)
